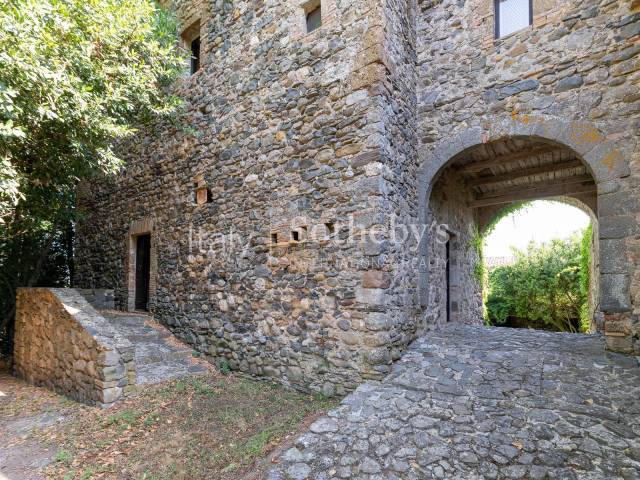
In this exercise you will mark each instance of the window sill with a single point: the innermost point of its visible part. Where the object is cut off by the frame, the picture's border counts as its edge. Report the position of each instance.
(499, 40)
(312, 35)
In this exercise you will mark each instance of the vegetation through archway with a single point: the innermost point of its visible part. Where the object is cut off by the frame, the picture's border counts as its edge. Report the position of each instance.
(545, 285)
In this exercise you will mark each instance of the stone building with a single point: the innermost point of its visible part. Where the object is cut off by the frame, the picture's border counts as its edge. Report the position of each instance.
(317, 207)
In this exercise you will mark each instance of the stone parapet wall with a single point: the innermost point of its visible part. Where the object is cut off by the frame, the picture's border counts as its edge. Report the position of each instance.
(63, 343)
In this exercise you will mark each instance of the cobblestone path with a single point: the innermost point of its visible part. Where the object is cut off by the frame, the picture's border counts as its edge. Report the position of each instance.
(474, 403)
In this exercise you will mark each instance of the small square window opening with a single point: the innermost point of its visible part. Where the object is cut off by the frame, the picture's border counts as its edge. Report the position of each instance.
(330, 229)
(512, 15)
(203, 195)
(314, 19)
(295, 236)
(274, 238)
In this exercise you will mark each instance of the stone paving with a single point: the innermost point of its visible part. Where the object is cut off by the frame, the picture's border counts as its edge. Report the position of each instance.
(483, 403)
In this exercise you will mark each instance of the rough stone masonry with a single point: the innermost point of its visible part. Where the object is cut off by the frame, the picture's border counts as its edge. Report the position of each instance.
(294, 213)
(63, 343)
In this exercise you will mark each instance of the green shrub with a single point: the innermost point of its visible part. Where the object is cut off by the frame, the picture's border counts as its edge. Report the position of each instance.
(546, 285)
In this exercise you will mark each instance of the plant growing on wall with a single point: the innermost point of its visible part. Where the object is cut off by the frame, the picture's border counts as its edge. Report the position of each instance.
(476, 243)
(75, 78)
(585, 276)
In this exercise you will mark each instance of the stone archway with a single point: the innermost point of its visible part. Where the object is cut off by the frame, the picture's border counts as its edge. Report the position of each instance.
(606, 163)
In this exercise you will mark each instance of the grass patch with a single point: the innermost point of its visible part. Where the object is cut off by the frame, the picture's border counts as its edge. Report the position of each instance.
(196, 428)
(224, 367)
(87, 474)
(203, 388)
(257, 444)
(126, 418)
(62, 456)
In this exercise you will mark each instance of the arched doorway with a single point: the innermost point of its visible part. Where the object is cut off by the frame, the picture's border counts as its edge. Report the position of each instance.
(465, 180)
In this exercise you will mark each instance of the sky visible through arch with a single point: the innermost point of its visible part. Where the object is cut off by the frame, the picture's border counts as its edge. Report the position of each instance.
(540, 221)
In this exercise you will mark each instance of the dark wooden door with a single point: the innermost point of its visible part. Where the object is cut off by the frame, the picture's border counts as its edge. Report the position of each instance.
(448, 278)
(143, 269)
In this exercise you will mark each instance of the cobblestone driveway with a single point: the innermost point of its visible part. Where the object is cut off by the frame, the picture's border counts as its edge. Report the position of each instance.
(473, 403)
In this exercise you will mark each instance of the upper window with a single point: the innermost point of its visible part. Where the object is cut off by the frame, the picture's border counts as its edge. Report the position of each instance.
(314, 19)
(195, 55)
(513, 15)
(191, 39)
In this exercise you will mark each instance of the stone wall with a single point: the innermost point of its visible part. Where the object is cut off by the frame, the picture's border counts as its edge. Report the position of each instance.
(398, 204)
(288, 132)
(273, 203)
(62, 343)
(452, 221)
(572, 77)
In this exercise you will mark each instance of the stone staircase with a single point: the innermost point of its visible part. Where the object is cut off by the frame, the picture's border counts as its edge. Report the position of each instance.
(159, 356)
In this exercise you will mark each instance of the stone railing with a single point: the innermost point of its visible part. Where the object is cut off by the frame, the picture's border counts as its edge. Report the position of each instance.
(63, 343)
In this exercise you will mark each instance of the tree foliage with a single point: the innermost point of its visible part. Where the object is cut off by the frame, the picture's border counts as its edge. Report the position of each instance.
(76, 76)
(545, 285)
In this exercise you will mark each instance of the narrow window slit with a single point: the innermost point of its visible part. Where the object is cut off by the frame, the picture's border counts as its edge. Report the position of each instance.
(314, 19)
(195, 55)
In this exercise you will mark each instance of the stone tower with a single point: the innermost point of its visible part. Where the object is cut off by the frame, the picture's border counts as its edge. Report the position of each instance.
(315, 209)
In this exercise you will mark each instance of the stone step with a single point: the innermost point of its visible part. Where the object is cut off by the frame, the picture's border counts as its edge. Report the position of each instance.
(142, 333)
(158, 355)
(135, 325)
(162, 371)
(151, 352)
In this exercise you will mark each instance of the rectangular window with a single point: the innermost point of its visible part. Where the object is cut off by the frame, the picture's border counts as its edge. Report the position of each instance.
(191, 41)
(512, 15)
(195, 55)
(314, 19)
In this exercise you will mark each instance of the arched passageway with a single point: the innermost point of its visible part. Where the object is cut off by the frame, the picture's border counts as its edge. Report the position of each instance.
(467, 180)
(470, 191)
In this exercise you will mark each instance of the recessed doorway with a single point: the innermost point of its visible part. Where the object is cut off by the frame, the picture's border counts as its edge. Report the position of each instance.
(143, 271)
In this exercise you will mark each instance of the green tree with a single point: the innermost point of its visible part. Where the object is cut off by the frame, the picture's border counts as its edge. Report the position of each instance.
(76, 77)
(544, 285)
